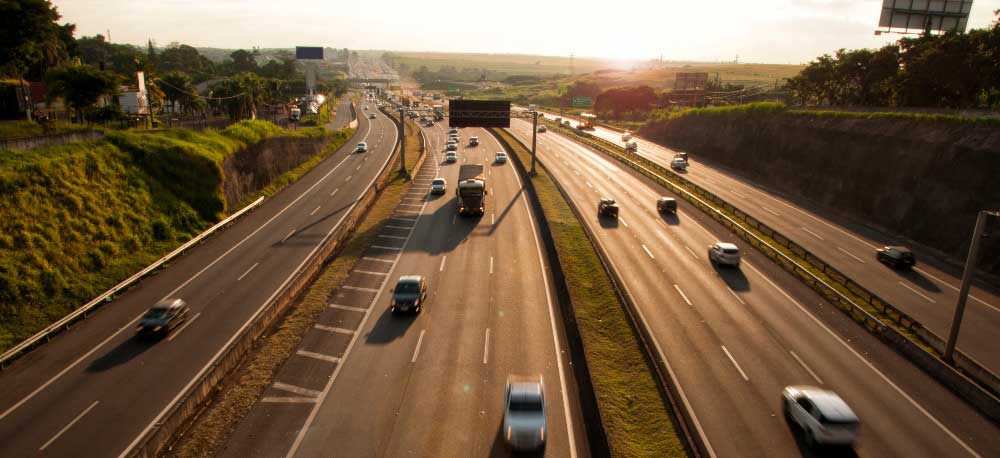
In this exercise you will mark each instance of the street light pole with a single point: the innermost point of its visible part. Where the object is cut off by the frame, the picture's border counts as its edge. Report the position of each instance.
(534, 138)
(402, 142)
(963, 292)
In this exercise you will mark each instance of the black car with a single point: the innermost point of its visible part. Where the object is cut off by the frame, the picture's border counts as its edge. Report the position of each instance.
(409, 294)
(163, 317)
(666, 205)
(896, 257)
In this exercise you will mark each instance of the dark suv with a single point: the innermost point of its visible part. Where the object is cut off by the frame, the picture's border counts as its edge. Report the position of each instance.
(161, 318)
(409, 294)
(896, 257)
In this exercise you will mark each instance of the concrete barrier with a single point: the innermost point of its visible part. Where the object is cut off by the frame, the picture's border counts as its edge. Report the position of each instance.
(190, 400)
(968, 379)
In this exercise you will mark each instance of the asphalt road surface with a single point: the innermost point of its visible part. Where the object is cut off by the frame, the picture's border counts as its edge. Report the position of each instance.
(94, 390)
(430, 384)
(736, 337)
(928, 293)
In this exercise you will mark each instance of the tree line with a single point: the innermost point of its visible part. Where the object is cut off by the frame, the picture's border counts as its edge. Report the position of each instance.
(952, 70)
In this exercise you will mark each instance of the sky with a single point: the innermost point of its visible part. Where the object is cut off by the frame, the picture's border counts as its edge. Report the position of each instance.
(766, 31)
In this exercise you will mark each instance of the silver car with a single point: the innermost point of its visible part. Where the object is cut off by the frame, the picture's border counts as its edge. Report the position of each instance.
(439, 186)
(823, 417)
(524, 414)
(724, 253)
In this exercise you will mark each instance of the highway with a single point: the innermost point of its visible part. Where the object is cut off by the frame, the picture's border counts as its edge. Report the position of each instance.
(430, 384)
(735, 337)
(94, 390)
(928, 293)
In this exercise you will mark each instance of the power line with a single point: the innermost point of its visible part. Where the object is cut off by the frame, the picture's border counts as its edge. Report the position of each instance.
(160, 80)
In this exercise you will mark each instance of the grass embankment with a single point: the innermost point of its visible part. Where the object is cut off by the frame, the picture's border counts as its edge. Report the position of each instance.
(635, 415)
(77, 218)
(888, 316)
(239, 394)
(765, 108)
(16, 129)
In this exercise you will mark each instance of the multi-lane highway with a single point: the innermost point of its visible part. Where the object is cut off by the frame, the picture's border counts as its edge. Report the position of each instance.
(368, 383)
(94, 390)
(736, 337)
(927, 293)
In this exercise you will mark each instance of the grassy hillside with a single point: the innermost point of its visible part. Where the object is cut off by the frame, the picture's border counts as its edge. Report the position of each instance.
(510, 64)
(77, 218)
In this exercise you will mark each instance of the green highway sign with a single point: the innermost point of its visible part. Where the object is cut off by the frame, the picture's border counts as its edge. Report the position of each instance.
(582, 101)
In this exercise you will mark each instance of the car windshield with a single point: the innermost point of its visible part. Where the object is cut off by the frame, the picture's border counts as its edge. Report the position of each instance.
(730, 251)
(158, 313)
(438, 182)
(407, 288)
(526, 404)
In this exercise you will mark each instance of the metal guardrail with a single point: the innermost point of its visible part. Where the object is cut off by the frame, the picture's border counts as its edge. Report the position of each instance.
(982, 378)
(82, 312)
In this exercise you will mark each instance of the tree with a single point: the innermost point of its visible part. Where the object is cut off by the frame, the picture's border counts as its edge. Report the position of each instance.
(618, 101)
(244, 61)
(184, 58)
(121, 59)
(179, 87)
(80, 86)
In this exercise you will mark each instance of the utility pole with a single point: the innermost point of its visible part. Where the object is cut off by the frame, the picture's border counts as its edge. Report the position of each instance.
(963, 292)
(402, 142)
(534, 138)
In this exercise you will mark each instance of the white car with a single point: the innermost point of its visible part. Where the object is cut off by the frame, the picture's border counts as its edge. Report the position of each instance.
(679, 163)
(451, 157)
(371, 115)
(361, 147)
(501, 158)
(439, 186)
(452, 146)
(823, 417)
(724, 253)
(524, 414)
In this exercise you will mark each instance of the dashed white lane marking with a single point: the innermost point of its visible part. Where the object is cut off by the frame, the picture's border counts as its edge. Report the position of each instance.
(289, 235)
(359, 288)
(770, 211)
(623, 222)
(334, 192)
(254, 266)
(683, 296)
(691, 251)
(491, 264)
(744, 374)
(918, 293)
(851, 255)
(737, 296)
(486, 347)
(67, 427)
(738, 194)
(803, 364)
(315, 210)
(184, 326)
(648, 252)
(319, 356)
(333, 329)
(416, 351)
(348, 307)
(443, 259)
(366, 258)
(812, 233)
(295, 389)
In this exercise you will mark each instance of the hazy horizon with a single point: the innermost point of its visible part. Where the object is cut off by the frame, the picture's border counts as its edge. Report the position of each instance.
(766, 31)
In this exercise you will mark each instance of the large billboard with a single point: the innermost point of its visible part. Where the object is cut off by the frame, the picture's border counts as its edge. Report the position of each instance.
(479, 113)
(309, 53)
(908, 16)
(695, 81)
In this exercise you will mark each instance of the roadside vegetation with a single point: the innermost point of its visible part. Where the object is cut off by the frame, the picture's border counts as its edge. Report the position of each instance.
(241, 391)
(635, 414)
(17, 129)
(77, 218)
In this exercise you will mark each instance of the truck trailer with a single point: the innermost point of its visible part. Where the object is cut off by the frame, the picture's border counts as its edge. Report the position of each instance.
(471, 190)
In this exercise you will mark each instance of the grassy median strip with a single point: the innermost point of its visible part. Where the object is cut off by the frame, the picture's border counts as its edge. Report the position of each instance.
(635, 415)
(238, 394)
(887, 316)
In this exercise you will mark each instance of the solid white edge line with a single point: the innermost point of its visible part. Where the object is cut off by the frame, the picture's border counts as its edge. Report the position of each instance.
(174, 291)
(416, 349)
(804, 366)
(486, 347)
(851, 255)
(254, 266)
(744, 374)
(552, 321)
(65, 428)
(871, 366)
(260, 309)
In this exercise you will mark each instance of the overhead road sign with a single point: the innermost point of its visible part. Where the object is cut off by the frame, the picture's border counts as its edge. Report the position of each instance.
(309, 53)
(479, 113)
(915, 16)
(583, 101)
